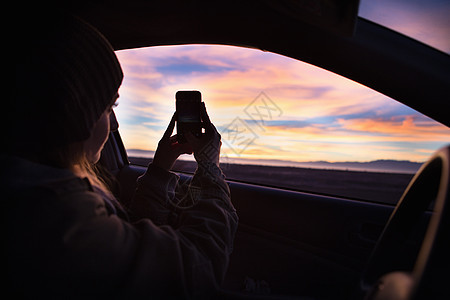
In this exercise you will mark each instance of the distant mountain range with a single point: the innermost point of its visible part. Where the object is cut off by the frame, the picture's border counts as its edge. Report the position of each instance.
(140, 153)
(396, 166)
(386, 166)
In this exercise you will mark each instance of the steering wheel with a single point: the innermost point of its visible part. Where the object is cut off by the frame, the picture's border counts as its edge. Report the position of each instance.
(383, 277)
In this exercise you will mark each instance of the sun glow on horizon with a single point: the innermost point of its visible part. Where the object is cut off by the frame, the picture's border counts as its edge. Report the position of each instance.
(268, 106)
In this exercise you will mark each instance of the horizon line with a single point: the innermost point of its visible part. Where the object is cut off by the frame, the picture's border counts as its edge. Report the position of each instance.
(291, 161)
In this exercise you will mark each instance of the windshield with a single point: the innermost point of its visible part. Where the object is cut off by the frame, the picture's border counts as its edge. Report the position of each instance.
(426, 21)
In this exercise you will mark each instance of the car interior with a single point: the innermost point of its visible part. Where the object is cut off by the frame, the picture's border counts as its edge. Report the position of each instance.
(307, 245)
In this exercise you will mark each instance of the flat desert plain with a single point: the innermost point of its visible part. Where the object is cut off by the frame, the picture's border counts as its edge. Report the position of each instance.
(373, 186)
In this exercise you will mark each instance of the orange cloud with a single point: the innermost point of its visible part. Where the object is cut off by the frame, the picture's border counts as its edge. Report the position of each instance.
(399, 129)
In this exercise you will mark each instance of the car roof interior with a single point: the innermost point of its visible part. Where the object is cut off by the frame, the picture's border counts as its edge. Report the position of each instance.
(328, 35)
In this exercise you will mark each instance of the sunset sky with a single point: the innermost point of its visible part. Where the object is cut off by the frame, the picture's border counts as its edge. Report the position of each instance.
(267, 106)
(425, 20)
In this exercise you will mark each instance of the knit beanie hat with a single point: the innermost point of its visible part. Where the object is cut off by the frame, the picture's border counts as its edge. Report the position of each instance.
(67, 74)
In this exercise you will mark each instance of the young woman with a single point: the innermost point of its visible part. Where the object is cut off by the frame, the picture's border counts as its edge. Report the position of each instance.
(67, 236)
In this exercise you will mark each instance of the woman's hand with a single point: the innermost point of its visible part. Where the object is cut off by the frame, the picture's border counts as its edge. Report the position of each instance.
(169, 149)
(207, 147)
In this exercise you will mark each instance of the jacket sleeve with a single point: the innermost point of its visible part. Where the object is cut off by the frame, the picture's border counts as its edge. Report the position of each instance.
(203, 216)
(154, 195)
(188, 258)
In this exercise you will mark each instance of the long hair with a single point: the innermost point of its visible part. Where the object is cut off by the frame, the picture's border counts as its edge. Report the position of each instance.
(73, 157)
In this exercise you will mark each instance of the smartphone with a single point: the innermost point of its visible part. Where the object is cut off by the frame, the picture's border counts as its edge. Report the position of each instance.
(188, 114)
